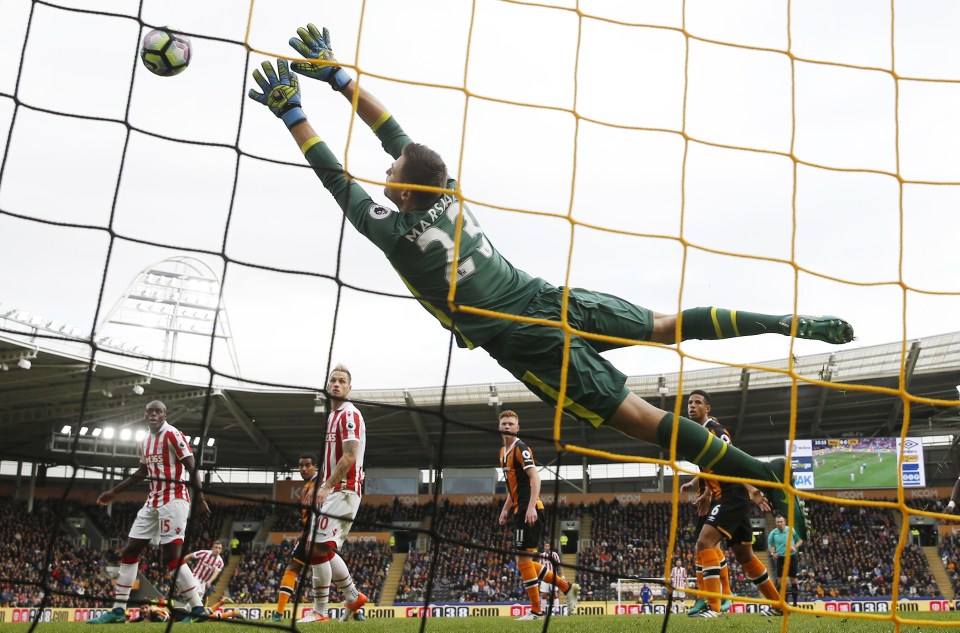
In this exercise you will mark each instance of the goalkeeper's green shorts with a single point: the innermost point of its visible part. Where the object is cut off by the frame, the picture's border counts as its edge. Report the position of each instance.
(533, 353)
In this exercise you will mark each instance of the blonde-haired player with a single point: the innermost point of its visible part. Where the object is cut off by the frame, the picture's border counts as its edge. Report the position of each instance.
(338, 497)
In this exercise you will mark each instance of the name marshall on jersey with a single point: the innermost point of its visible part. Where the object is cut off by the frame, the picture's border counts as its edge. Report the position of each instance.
(421, 245)
(435, 212)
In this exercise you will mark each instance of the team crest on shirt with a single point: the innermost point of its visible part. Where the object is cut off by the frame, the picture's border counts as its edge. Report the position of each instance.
(378, 212)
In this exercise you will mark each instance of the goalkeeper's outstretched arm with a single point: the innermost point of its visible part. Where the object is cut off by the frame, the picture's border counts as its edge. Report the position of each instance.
(281, 94)
(314, 44)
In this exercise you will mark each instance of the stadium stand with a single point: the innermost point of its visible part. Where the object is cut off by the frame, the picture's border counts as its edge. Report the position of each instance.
(851, 554)
(950, 553)
(464, 574)
(75, 571)
(259, 574)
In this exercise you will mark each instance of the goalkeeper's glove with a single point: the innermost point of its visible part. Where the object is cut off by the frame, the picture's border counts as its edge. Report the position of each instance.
(280, 94)
(312, 44)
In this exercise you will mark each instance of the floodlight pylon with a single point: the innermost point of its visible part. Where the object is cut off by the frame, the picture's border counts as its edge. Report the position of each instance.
(181, 298)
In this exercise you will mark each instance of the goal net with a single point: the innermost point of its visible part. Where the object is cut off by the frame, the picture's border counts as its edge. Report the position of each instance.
(784, 157)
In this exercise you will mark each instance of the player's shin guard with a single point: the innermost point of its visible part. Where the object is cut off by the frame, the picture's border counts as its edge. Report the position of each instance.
(321, 587)
(724, 574)
(187, 584)
(128, 575)
(342, 579)
(544, 575)
(528, 573)
(285, 592)
(710, 563)
(758, 575)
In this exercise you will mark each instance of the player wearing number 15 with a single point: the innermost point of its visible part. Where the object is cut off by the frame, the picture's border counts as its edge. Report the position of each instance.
(419, 241)
(166, 461)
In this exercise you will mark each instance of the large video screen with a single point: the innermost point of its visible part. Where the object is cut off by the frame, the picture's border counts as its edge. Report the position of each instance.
(857, 463)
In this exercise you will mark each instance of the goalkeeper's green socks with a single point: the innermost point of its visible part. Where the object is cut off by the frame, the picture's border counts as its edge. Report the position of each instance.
(716, 323)
(698, 445)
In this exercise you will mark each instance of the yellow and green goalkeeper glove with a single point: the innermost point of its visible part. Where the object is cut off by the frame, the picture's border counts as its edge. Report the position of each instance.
(312, 44)
(280, 93)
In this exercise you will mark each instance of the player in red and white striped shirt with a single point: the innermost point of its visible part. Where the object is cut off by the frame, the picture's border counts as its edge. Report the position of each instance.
(208, 567)
(166, 461)
(678, 580)
(338, 498)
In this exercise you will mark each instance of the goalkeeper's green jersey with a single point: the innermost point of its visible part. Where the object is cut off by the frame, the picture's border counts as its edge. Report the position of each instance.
(420, 246)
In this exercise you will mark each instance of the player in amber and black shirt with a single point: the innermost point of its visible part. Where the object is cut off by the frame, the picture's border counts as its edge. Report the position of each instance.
(524, 511)
(437, 246)
(307, 465)
(698, 410)
(724, 508)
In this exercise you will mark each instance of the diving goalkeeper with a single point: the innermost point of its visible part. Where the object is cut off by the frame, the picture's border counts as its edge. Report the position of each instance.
(419, 237)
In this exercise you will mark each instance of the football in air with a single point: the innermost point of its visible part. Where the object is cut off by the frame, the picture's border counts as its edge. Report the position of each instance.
(165, 52)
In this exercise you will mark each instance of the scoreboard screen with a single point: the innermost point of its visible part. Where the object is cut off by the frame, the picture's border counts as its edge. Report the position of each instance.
(832, 464)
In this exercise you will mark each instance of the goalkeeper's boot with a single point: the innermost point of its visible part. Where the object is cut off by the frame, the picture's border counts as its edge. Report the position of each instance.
(350, 609)
(116, 615)
(197, 614)
(573, 597)
(725, 605)
(277, 617)
(697, 607)
(829, 329)
(781, 501)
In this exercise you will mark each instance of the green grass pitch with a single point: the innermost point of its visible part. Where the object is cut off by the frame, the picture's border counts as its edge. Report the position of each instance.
(577, 624)
(835, 472)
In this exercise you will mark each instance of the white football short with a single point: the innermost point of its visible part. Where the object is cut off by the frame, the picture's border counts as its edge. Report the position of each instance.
(164, 524)
(338, 511)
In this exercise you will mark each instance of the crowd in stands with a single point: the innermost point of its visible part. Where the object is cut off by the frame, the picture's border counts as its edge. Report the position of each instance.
(258, 575)
(370, 518)
(631, 540)
(851, 554)
(950, 554)
(35, 549)
(247, 511)
(463, 573)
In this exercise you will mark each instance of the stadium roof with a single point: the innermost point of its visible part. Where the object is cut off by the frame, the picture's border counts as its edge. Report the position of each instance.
(267, 429)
